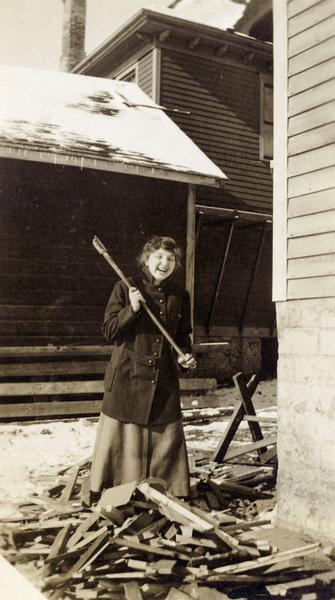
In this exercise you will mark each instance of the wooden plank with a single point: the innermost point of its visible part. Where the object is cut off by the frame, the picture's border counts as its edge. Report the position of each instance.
(317, 287)
(311, 36)
(264, 561)
(68, 490)
(311, 57)
(312, 245)
(269, 455)
(311, 224)
(132, 591)
(311, 203)
(246, 448)
(295, 7)
(311, 182)
(197, 383)
(260, 419)
(246, 392)
(311, 77)
(320, 94)
(50, 409)
(47, 388)
(47, 368)
(310, 17)
(51, 350)
(312, 266)
(232, 426)
(314, 117)
(60, 541)
(315, 138)
(311, 160)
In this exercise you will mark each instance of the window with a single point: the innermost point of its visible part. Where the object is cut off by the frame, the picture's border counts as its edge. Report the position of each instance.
(129, 74)
(266, 119)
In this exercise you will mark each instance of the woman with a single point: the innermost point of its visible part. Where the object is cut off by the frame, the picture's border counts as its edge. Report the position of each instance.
(140, 431)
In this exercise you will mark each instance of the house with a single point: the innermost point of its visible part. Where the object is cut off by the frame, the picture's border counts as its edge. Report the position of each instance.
(217, 87)
(304, 262)
(84, 156)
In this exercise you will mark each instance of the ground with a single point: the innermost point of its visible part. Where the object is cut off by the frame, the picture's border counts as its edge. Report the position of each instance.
(31, 455)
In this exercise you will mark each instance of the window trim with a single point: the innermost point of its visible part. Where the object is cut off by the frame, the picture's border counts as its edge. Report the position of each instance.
(133, 67)
(264, 80)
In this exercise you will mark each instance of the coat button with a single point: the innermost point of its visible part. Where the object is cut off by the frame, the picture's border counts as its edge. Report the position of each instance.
(149, 361)
(158, 340)
(161, 300)
(153, 381)
(155, 353)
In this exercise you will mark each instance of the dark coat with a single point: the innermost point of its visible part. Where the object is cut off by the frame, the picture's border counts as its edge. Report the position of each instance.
(141, 381)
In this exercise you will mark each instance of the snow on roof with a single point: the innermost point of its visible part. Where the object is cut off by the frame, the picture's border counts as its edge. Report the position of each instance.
(95, 123)
(222, 14)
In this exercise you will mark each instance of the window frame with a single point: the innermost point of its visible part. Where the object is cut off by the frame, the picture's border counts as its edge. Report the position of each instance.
(264, 81)
(122, 74)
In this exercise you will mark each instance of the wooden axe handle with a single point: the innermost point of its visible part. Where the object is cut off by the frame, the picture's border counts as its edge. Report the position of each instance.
(98, 245)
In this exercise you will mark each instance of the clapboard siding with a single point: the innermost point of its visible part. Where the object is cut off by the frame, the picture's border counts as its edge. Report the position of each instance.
(54, 285)
(312, 203)
(312, 266)
(311, 224)
(311, 36)
(312, 245)
(311, 182)
(321, 72)
(311, 160)
(311, 57)
(318, 287)
(312, 97)
(315, 138)
(294, 7)
(145, 73)
(316, 13)
(313, 118)
(221, 122)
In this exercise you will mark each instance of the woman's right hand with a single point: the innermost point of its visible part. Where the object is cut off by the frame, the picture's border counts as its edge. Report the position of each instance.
(135, 298)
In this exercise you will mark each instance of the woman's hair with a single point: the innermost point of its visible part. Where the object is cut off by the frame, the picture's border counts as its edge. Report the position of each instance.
(157, 242)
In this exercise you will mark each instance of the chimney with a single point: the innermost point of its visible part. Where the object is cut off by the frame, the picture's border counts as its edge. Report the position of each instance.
(73, 42)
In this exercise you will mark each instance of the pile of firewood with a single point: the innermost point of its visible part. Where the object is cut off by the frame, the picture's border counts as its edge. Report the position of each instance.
(140, 542)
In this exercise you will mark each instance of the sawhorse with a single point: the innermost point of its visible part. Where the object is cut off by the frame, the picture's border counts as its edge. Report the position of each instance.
(245, 411)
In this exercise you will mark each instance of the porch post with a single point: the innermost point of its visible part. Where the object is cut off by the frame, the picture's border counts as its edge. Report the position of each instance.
(190, 244)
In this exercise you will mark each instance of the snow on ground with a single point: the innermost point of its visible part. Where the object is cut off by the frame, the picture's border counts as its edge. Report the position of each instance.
(31, 455)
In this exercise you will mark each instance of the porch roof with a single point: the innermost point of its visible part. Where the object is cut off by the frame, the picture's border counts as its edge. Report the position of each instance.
(96, 123)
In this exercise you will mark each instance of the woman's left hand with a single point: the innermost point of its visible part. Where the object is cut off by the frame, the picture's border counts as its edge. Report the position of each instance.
(188, 362)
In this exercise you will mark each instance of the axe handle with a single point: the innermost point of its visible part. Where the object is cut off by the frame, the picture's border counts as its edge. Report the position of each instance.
(98, 245)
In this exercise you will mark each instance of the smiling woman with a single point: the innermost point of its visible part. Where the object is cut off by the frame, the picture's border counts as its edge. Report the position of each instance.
(140, 433)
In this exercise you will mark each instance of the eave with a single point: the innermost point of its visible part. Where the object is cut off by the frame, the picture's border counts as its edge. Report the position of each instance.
(148, 26)
(84, 162)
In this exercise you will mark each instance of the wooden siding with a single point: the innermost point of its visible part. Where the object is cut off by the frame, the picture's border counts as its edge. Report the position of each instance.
(145, 73)
(224, 105)
(311, 149)
(54, 285)
(144, 64)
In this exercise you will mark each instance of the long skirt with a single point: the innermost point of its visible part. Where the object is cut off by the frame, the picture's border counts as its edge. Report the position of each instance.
(127, 452)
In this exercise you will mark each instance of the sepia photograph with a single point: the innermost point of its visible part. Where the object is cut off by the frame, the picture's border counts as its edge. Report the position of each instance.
(167, 299)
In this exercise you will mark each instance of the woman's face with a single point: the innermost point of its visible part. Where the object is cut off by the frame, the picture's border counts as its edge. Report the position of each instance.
(161, 263)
